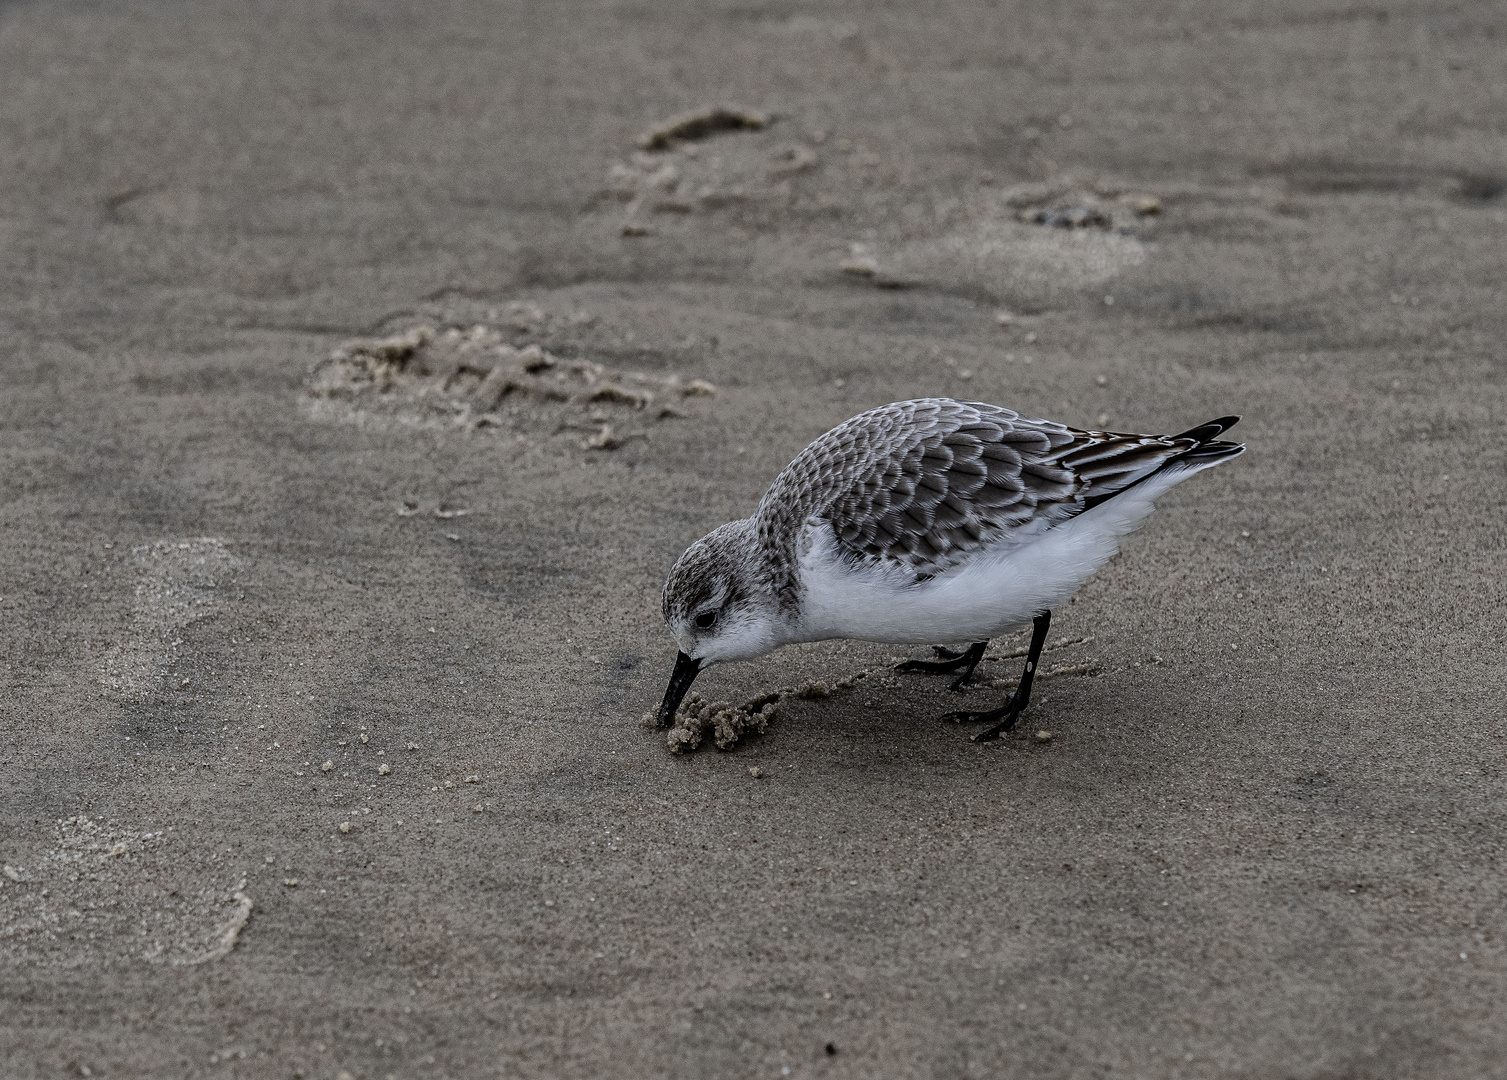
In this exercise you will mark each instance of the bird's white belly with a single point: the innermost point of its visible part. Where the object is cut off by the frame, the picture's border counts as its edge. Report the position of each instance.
(999, 589)
(981, 599)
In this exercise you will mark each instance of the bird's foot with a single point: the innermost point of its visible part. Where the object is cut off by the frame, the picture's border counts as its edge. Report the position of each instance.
(950, 662)
(1000, 720)
(930, 667)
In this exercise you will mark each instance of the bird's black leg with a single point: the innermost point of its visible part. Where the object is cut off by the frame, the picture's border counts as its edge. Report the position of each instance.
(967, 660)
(1003, 718)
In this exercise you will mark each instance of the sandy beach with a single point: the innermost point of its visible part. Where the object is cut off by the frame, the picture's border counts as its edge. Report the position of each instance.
(367, 366)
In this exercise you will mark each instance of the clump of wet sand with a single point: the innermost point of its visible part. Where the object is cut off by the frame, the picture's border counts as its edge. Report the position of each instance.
(728, 723)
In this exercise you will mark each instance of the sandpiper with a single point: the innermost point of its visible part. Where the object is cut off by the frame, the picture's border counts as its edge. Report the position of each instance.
(919, 522)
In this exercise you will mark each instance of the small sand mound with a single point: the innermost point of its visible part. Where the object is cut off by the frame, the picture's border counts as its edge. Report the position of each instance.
(689, 127)
(729, 723)
(756, 176)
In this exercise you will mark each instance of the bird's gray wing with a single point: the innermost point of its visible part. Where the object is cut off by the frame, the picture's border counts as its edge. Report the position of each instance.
(923, 484)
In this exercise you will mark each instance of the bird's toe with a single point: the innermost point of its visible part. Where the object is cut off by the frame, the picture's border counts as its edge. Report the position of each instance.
(925, 667)
(962, 717)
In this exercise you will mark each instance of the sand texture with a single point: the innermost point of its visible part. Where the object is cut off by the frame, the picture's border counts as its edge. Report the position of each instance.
(366, 367)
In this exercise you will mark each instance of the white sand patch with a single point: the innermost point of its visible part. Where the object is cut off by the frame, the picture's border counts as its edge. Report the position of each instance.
(101, 893)
(177, 584)
(1006, 255)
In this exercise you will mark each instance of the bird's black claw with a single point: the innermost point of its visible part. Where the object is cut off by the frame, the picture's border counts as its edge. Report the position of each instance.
(998, 729)
(1002, 720)
(951, 661)
(962, 717)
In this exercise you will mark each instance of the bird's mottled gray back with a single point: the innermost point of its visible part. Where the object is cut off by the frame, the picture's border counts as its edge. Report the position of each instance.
(924, 483)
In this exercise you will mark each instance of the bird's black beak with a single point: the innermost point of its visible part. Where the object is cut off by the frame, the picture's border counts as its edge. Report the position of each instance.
(686, 669)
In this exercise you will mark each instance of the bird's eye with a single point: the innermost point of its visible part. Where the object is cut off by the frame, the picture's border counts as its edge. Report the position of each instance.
(705, 620)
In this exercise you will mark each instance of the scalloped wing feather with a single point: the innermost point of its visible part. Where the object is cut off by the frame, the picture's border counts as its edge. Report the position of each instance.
(926, 484)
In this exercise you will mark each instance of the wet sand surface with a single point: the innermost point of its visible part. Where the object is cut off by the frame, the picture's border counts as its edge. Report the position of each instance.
(320, 749)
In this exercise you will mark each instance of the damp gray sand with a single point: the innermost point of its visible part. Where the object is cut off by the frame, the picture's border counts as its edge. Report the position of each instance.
(388, 317)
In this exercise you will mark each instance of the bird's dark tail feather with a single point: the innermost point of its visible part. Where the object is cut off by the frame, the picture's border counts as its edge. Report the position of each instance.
(1206, 451)
(1212, 430)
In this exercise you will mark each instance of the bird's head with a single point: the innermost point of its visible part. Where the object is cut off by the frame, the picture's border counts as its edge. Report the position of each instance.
(720, 605)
